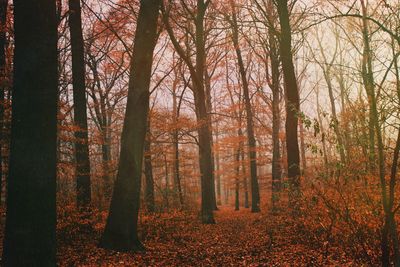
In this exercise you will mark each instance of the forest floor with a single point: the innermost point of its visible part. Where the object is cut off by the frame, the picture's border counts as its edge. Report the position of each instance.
(239, 238)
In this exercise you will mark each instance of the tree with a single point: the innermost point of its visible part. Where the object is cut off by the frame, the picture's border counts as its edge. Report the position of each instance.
(121, 228)
(30, 238)
(197, 71)
(292, 99)
(148, 172)
(83, 187)
(255, 194)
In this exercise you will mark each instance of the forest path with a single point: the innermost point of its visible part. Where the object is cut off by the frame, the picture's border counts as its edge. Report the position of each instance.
(239, 238)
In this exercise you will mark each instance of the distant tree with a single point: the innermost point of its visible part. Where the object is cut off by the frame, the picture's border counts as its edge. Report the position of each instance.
(30, 232)
(121, 228)
(197, 71)
(255, 193)
(83, 186)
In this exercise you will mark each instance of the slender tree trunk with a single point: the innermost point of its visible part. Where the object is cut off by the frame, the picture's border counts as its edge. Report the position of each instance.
(368, 80)
(207, 83)
(217, 167)
(393, 173)
(121, 229)
(245, 186)
(237, 173)
(3, 81)
(303, 148)
(175, 139)
(292, 101)
(336, 127)
(30, 231)
(166, 190)
(237, 167)
(255, 194)
(148, 172)
(83, 187)
(321, 126)
(374, 117)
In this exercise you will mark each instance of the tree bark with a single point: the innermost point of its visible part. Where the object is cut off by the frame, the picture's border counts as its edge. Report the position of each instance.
(121, 228)
(83, 186)
(3, 81)
(292, 101)
(30, 232)
(148, 172)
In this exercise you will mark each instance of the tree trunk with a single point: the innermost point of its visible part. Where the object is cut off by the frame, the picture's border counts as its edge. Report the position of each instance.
(292, 101)
(166, 190)
(237, 173)
(121, 229)
(30, 231)
(374, 117)
(245, 186)
(303, 148)
(205, 152)
(255, 194)
(82, 170)
(336, 127)
(207, 83)
(204, 135)
(276, 116)
(321, 127)
(106, 158)
(175, 140)
(148, 172)
(217, 167)
(368, 80)
(3, 81)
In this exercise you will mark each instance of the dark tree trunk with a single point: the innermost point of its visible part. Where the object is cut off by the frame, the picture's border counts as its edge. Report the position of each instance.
(255, 194)
(302, 148)
(237, 170)
(205, 152)
(292, 100)
(148, 172)
(30, 233)
(207, 83)
(245, 186)
(83, 186)
(121, 229)
(217, 167)
(237, 183)
(276, 114)
(3, 81)
(106, 158)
